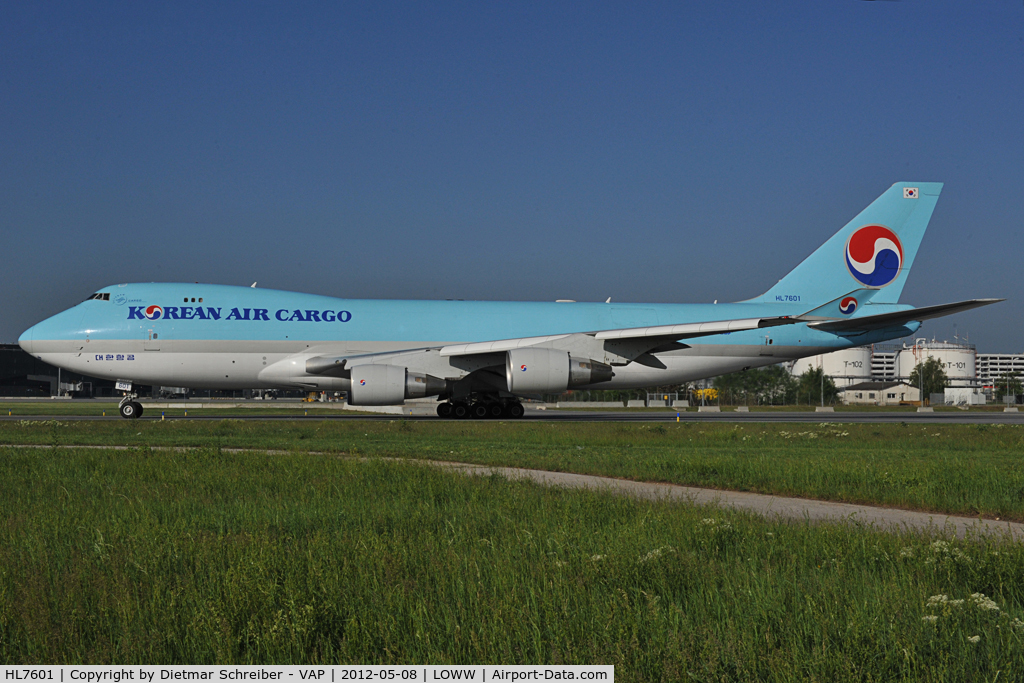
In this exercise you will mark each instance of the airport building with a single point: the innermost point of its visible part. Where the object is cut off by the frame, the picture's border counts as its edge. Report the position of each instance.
(992, 366)
(879, 393)
(23, 375)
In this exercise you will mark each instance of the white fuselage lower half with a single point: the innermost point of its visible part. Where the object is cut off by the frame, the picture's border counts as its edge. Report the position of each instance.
(281, 365)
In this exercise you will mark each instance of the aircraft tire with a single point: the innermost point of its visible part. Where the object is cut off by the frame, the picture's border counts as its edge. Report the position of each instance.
(444, 410)
(138, 409)
(460, 411)
(479, 410)
(130, 410)
(495, 410)
(516, 410)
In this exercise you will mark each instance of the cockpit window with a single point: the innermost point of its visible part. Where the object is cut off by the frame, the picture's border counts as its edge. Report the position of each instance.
(102, 296)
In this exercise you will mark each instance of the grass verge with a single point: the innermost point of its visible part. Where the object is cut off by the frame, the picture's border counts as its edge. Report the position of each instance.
(973, 470)
(201, 557)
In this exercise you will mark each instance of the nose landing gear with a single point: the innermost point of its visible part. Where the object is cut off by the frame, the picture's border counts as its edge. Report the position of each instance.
(129, 408)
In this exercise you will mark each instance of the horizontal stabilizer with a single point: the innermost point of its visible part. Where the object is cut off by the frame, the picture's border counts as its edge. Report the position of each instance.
(897, 318)
(844, 305)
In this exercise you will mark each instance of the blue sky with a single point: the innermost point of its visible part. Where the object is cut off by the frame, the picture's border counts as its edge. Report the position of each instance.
(667, 152)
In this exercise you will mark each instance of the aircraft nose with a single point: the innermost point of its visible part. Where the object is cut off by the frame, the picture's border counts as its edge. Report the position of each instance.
(26, 339)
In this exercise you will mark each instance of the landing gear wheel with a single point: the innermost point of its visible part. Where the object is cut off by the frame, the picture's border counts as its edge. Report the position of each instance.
(130, 410)
(479, 410)
(495, 410)
(460, 410)
(138, 409)
(444, 410)
(516, 410)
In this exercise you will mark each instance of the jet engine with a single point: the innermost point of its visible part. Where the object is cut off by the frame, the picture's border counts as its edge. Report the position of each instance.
(547, 371)
(388, 385)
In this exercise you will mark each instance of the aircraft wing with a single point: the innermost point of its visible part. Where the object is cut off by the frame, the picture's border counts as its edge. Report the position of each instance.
(897, 318)
(617, 346)
(651, 336)
(620, 346)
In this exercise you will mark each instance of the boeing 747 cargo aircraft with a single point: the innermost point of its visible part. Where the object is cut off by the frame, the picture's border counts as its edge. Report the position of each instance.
(479, 358)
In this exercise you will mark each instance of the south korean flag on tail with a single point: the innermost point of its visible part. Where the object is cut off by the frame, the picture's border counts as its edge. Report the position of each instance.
(910, 193)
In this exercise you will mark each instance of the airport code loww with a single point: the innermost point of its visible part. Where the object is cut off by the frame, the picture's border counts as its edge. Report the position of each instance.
(314, 674)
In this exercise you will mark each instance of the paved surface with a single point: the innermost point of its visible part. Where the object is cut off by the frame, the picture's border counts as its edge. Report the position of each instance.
(768, 506)
(951, 417)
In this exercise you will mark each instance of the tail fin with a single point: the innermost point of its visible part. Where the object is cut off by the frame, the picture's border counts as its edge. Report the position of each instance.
(875, 250)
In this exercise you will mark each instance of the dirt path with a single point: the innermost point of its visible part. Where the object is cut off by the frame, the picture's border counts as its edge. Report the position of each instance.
(777, 507)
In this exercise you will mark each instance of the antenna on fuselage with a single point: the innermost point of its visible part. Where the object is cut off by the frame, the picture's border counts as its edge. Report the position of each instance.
(253, 285)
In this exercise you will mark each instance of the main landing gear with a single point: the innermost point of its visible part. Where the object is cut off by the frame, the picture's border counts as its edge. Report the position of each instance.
(129, 408)
(481, 409)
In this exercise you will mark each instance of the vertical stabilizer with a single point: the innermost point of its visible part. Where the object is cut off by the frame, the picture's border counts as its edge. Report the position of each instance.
(875, 250)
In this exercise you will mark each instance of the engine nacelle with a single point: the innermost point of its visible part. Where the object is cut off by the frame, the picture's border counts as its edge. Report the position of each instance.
(389, 385)
(547, 371)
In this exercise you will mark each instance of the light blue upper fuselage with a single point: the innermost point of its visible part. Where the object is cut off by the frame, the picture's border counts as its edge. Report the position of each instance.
(219, 312)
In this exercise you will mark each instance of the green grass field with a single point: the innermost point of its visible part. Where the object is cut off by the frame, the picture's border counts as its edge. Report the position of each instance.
(205, 556)
(59, 408)
(974, 470)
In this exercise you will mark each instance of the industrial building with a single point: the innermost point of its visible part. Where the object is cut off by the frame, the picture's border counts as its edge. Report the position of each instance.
(971, 374)
(846, 367)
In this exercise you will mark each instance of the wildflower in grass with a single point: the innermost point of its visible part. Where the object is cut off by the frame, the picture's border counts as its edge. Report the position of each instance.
(597, 558)
(657, 552)
(713, 524)
(974, 639)
(1016, 623)
(984, 603)
(907, 552)
(938, 600)
(931, 618)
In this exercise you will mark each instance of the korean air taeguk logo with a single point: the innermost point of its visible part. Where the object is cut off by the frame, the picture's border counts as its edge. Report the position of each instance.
(848, 305)
(874, 256)
(154, 312)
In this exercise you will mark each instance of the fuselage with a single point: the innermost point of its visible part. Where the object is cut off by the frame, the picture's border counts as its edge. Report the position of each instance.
(224, 337)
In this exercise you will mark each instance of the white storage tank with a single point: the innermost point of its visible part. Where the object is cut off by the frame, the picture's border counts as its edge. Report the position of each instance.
(959, 361)
(845, 367)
